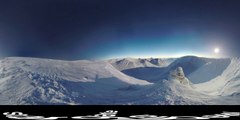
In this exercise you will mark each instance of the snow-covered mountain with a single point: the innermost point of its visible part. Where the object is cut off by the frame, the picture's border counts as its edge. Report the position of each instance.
(226, 82)
(120, 81)
(131, 63)
(45, 81)
(147, 69)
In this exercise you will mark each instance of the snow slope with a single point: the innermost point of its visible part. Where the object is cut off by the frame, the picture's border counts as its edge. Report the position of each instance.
(147, 69)
(227, 83)
(47, 81)
(130, 63)
(210, 70)
(77, 71)
(197, 69)
(188, 63)
(154, 74)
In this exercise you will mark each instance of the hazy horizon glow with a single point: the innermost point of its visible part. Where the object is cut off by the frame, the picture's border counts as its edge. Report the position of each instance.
(166, 48)
(161, 56)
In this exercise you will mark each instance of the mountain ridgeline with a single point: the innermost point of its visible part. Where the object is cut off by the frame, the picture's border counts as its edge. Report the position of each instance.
(144, 69)
(186, 80)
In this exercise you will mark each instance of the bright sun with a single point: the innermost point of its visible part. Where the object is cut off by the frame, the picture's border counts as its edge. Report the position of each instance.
(216, 50)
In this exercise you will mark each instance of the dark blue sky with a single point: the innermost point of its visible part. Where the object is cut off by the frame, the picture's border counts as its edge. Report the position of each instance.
(101, 29)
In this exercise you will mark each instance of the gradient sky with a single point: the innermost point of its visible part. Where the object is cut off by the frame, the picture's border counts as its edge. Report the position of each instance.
(102, 29)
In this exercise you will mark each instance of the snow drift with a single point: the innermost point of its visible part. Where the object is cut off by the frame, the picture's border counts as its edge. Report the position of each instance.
(193, 80)
(45, 81)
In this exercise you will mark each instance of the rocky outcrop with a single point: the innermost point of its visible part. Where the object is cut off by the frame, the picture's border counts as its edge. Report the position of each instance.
(179, 75)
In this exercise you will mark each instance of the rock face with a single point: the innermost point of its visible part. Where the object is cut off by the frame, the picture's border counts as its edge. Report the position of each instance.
(179, 75)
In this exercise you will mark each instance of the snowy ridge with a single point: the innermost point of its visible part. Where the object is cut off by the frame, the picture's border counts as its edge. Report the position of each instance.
(146, 69)
(225, 84)
(45, 81)
(48, 81)
(154, 74)
(129, 63)
(209, 70)
(77, 71)
(188, 63)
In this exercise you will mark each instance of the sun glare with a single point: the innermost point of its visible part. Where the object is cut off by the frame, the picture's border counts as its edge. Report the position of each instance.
(216, 50)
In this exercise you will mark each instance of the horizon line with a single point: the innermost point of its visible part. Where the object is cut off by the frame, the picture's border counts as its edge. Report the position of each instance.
(134, 57)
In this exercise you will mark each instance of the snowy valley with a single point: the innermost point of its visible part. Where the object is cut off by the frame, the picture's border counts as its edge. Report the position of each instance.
(187, 80)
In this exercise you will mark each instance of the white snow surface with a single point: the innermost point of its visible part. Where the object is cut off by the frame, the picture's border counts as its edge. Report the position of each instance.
(129, 63)
(210, 70)
(35, 81)
(225, 84)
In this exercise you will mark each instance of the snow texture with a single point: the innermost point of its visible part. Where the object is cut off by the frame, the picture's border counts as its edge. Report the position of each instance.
(187, 80)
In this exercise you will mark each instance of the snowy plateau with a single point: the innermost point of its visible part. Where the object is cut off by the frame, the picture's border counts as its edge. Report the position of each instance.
(188, 80)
